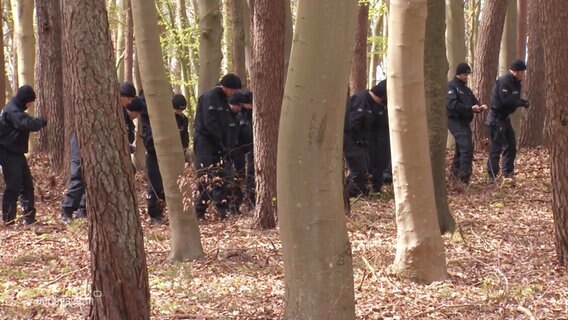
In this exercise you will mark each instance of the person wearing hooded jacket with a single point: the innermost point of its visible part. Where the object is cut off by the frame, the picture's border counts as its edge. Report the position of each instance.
(16, 127)
(505, 100)
(211, 145)
(379, 145)
(155, 190)
(461, 105)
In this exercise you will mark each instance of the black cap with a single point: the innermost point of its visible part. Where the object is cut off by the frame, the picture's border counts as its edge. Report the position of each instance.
(380, 89)
(127, 90)
(231, 81)
(463, 68)
(247, 96)
(179, 102)
(518, 65)
(136, 105)
(236, 98)
(26, 94)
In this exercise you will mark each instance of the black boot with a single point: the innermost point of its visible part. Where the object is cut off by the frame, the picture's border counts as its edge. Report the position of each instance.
(29, 217)
(67, 215)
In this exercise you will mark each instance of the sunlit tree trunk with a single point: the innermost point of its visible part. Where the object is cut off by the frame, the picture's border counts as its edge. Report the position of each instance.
(317, 267)
(210, 54)
(128, 42)
(185, 240)
(419, 250)
(374, 55)
(486, 62)
(358, 77)
(238, 39)
(49, 78)
(3, 74)
(119, 41)
(522, 28)
(118, 263)
(555, 23)
(508, 52)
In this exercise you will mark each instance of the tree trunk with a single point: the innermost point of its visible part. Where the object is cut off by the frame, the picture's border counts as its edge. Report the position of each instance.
(268, 86)
(474, 7)
(435, 70)
(508, 52)
(228, 35)
(374, 54)
(456, 49)
(23, 15)
(248, 17)
(12, 56)
(185, 242)
(358, 77)
(49, 78)
(522, 29)
(210, 55)
(120, 279)
(555, 23)
(238, 53)
(128, 42)
(486, 62)
(419, 250)
(120, 34)
(288, 35)
(532, 124)
(318, 268)
(3, 74)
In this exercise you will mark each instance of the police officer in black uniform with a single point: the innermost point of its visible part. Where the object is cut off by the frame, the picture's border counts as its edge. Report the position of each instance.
(210, 145)
(505, 100)
(16, 127)
(356, 132)
(461, 104)
(379, 146)
(155, 190)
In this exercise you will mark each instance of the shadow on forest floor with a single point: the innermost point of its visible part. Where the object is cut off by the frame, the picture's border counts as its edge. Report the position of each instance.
(503, 267)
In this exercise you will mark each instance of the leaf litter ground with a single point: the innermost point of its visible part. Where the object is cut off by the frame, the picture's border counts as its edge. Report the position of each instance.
(503, 267)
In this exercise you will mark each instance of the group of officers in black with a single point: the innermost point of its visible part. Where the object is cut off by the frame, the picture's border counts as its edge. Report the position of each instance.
(223, 143)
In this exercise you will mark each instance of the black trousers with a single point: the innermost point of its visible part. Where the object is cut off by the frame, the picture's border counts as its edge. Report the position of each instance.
(379, 157)
(357, 158)
(211, 175)
(155, 189)
(463, 156)
(250, 186)
(19, 183)
(503, 143)
(75, 197)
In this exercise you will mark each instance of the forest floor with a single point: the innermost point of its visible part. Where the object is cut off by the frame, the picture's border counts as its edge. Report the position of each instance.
(504, 266)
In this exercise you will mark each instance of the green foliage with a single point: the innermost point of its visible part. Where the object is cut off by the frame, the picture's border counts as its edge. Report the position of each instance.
(380, 43)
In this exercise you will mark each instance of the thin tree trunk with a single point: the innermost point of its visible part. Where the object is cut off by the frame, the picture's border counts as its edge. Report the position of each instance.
(456, 49)
(317, 267)
(419, 249)
(238, 47)
(23, 12)
(120, 279)
(435, 70)
(210, 55)
(268, 86)
(532, 124)
(486, 62)
(182, 25)
(49, 77)
(288, 35)
(128, 42)
(358, 77)
(227, 35)
(522, 29)
(508, 52)
(12, 56)
(3, 74)
(120, 40)
(248, 24)
(374, 54)
(555, 23)
(185, 240)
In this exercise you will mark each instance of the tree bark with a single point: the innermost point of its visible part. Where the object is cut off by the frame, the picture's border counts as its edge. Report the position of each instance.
(419, 249)
(210, 55)
(555, 23)
(3, 74)
(49, 78)
(128, 42)
(23, 12)
(288, 35)
(185, 240)
(532, 123)
(486, 62)
(358, 77)
(120, 40)
(317, 268)
(508, 52)
(268, 86)
(120, 279)
(228, 34)
(238, 54)
(456, 49)
(248, 19)
(522, 29)
(374, 54)
(435, 70)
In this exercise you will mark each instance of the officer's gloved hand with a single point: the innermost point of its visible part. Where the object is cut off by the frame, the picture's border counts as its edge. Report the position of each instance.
(525, 103)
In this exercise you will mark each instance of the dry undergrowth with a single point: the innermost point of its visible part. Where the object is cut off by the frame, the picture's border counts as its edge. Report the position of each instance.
(504, 267)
